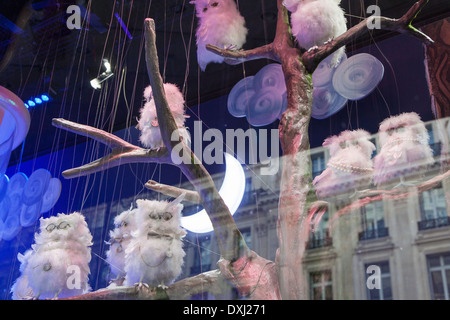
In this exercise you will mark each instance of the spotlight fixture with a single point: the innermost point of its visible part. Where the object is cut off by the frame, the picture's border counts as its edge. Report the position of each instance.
(96, 83)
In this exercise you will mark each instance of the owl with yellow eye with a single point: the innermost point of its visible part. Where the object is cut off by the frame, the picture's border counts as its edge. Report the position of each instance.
(349, 165)
(57, 265)
(155, 253)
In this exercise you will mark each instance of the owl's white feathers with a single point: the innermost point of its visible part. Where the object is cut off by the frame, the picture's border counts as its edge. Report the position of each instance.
(349, 164)
(155, 253)
(221, 24)
(148, 124)
(120, 237)
(314, 22)
(61, 249)
(20, 289)
(404, 147)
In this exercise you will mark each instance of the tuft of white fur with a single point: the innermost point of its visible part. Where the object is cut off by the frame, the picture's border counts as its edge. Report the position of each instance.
(148, 124)
(404, 147)
(56, 256)
(20, 289)
(155, 253)
(120, 237)
(219, 23)
(348, 149)
(315, 22)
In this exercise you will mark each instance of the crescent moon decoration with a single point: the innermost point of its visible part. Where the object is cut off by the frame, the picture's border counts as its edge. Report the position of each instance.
(232, 191)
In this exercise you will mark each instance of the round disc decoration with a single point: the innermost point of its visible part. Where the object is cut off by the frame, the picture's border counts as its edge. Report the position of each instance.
(1, 229)
(4, 180)
(30, 214)
(51, 195)
(265, 107)
(5, 206)
(15, 190)
(358, 76)
(323, 75)
(270, 76)
(11, 227)
(17, 183)
(326, 102)
(239, 96)
(36, 186)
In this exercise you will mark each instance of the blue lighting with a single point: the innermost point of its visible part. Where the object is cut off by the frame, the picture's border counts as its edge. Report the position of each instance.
(40, 99)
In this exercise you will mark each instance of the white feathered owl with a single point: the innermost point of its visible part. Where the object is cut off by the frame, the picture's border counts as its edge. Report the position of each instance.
(315, 22)
(148, 121)
(120, 237)
(155, 253)
(404, 147)
(57, 265)
(221, 24)
(349, 165)
(20, 289)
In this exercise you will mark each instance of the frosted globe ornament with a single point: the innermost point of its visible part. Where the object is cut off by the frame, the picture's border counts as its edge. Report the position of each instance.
(326, 102)
(265, 107)
(358, 76)
(239, 96)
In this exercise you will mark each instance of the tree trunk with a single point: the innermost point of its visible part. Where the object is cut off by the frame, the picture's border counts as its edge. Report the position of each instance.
(436, 61)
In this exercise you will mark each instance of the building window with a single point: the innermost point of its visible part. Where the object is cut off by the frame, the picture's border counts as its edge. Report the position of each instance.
(384, 291)
(319, 237)
(247, 235)
(433, 209)
(435, 146)
(321, 285)
(318, 164)
(439, 275)
(202, 255)
(372, 219)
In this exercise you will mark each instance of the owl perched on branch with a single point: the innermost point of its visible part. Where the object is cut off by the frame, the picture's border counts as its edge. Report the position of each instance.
(350, 163)
(404, 147)
(155, 254)
(315, 22)
(57, 265)
(120, 237)
(148, 122)
(221, 24)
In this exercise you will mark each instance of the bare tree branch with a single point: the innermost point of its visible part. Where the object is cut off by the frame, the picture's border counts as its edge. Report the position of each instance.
(239, 56)
(211, 281)
(312, 58)
(122, 151)
(231, 242)
(171, 191)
